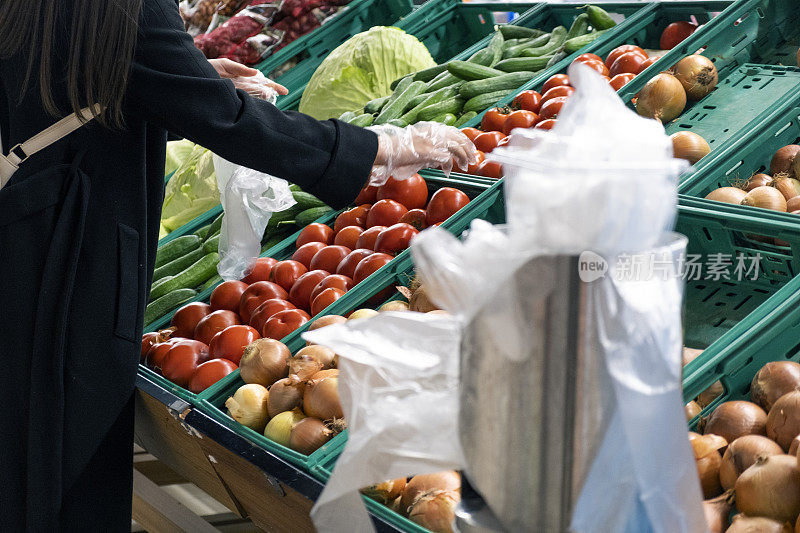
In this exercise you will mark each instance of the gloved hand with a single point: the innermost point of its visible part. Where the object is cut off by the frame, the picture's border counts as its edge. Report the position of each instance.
(402, 152)
(250, 80)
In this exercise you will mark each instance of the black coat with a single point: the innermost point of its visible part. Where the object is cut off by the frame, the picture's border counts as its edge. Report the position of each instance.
(78, 232)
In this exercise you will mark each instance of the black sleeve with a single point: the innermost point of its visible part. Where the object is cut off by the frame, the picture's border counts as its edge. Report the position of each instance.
(174, 86)
(5, 132)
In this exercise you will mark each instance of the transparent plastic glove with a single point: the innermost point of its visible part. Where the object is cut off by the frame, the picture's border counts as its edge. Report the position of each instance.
(403, 152)
(259, 86)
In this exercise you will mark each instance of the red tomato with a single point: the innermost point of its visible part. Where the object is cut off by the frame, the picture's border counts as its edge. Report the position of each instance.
(283, 323)
(334, 281)
(348, 237)
(519, 119)
(675, 33)
(157, 353)
(230, 342)
(493, 120)
(257, 293)
(367, 239)
(491, 169)
(305, 253)
(649, 61)
(630, 62)
(473, 168)
(546, 124)
(356, 216)
(444, 203)
(395, 238)
(183, 358)
(315, 232)
(329, 258)
(208, 373)
(148, 340)
(528, 101)
(555, 92)
(261, 271)
(385, 213)
(471, 133)
(486, 142)
(300, 295)
(227, 295)
(587, 57)
(268, 308)
(285, 273)
(348, 265)
(186, 318)
(552, 107)
(324, 299)
(624, 49)
(369, 265)
(619, 81)
(411, 192)
(416, 218)
(555, 81)
(597, 65)
(367, 195)
(213, 323)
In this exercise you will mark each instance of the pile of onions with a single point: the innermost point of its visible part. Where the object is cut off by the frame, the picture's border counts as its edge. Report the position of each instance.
(773, 381)
(264, 362)
(697, 74)
(741, 454)
(770, 488)
(731, 420)
(783, 421)
(662, 98)
(717, 511)
(689, 146)
(708, 460)
(248, 406)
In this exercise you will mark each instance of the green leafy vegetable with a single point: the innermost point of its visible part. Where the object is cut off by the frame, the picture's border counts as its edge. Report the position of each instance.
(177, 153)
(191, 191)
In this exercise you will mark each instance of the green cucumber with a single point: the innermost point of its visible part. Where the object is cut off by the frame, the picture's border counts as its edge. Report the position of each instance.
(599, 18)
(294, 187)
(429, 73)
(445, 79)
(307, 201)
(347, 116)
(202, 232)
(212, 244)
(273, 241)
(374, 106)
(482, 101)
(517, 64)
(215, 226)
(419, 99)
(176, 248)
(466, 117)
(399, 122)
(364, 120)
(557, 38)
(210, 283)
(161, 306)
(471, 71)
(576, 43)
(401, 86)
(285, 215)
(448, 119)
(483, 57)
(176, 266)
(451, 105)
(397, 107)
(401, 83)
(194, 275)
(512, 80)
(431, 98)
(510, 31)
(555, 58)
(515, 51)
(496, 47)
(304, 218)
(580, 26)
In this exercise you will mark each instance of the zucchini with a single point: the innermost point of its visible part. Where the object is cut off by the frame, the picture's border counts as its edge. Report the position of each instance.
(347, 116)
(451, 105)
(397, 107)
(215, 226)
(176, 248)
(364, 120)
(160, 307)
(194, 275)
(399, 122)
(307, 201)
(557, 38)
(483, 57)
(517, 64)
(599, 18)
(202, 232)
(471, 71)
(176, 266)
(466, 117)
(580, 26)
(445, 79)
(576, 43)
(515, 51)
(429, 73)
(510, 31)
(374, 106)
(304, 218)
(512, 80)
(212, 244)
(210, 283)
(496, 47)
(431, 98)
(482, 101)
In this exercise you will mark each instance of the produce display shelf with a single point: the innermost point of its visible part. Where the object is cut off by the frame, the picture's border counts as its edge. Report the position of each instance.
(193, 225)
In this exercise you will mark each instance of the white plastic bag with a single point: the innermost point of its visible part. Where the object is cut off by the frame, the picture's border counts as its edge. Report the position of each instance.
(248, 199)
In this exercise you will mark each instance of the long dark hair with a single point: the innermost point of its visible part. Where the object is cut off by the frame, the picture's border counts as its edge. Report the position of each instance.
(102, 39)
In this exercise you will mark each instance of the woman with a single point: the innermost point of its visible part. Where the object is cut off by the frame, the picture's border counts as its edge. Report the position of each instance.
(79, 226)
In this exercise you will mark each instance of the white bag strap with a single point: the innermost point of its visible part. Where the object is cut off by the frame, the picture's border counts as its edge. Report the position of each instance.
(19, 153)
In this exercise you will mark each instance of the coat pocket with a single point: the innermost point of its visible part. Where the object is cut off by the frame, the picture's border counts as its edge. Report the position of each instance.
(128, 289)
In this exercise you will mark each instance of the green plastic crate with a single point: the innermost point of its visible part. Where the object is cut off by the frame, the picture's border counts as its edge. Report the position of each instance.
(193, 225)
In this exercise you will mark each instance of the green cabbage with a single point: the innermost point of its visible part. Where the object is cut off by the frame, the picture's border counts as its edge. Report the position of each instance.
(177, 153)
(191, 191)
(361, 69)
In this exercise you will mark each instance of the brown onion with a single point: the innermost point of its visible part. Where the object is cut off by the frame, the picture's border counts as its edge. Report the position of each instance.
(789, 187)
(284, 395)
(323, 321)
(717, 511)
(741, 454)
(394, 305)
(770, 488)
(386, 492)
(264, 362)
(793, 205)
(435, 510)
(248, 406)
(689, 146)
(697, 75)
(765, 198)
(757, 524)
(710, 394)
(417, 297)
(662, 98)
(783, 421)
(311, 360)
(321, 397)
(448, 480)
(309, 435)
(728, 195)
(708, 460)
(689, 355)
(773, 381)
(692, 409)
(757, 180)
(783, 160)
(279, 429)
(731, 420)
